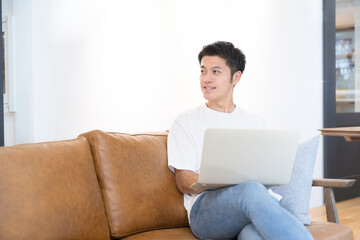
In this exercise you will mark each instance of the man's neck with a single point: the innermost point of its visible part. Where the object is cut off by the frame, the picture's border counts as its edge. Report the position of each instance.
(226, 108)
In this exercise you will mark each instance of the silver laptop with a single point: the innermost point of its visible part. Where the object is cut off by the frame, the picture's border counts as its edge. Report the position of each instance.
(233, 156)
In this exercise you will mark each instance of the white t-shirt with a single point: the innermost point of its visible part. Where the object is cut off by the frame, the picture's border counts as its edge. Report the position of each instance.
(186, 136)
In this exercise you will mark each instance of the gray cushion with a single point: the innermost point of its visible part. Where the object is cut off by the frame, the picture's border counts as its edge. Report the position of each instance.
(296, 194)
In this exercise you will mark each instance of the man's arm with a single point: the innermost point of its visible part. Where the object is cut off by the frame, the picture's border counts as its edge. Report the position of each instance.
(184, 178)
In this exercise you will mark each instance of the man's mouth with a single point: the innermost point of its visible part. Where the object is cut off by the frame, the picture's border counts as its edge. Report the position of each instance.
(209, 88)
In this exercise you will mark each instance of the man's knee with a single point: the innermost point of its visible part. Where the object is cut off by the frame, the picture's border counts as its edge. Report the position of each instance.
(251, 187)
(249, 232)
(251, 190)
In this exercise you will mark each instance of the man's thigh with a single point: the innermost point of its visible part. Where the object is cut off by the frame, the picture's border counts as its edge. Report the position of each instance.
(220, 213)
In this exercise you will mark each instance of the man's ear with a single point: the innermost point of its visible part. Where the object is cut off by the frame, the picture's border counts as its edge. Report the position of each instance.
(236, 77)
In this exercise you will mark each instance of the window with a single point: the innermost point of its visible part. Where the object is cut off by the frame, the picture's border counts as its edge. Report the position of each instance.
(347, 48)
(8, 66)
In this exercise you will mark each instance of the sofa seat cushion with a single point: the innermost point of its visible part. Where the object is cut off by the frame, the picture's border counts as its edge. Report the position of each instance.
(139, 190)
(50, 191)
(319, 230)
(330, 231)
(183, 233)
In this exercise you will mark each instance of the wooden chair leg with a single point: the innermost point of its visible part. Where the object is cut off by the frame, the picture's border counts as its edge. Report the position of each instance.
(331, 211)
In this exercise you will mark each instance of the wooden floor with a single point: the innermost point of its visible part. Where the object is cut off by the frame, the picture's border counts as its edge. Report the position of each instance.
(348, 211)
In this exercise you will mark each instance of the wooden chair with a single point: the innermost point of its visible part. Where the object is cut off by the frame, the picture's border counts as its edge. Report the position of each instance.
(332, 229)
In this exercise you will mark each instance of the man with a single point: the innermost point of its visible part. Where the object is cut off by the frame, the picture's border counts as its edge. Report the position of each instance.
(246, 211)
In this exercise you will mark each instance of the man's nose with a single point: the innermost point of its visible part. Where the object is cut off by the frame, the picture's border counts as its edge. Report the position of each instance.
(207, 78)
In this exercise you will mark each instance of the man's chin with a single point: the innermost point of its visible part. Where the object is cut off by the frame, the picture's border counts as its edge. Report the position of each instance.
(208, 97)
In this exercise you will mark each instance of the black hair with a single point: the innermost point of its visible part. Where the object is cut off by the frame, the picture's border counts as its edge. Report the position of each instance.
(234, 57)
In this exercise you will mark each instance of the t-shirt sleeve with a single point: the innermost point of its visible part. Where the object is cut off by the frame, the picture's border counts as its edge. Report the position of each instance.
(181, 148)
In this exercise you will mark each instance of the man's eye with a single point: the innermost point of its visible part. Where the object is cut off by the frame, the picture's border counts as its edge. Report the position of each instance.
(216, 71)
(202, 71)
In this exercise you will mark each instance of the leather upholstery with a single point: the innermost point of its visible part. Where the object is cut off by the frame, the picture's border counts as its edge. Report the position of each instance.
(50, 191)
(139, 190)
(183, 233)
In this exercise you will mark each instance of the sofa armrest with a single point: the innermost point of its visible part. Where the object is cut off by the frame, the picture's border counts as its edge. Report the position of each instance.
(330, 204)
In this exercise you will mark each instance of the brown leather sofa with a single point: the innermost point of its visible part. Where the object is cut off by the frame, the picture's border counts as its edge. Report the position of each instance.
(99, 186)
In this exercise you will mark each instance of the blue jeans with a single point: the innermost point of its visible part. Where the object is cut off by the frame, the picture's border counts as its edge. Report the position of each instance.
(246, 211)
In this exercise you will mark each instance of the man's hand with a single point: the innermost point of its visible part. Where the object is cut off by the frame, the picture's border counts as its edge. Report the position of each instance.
(184, 178)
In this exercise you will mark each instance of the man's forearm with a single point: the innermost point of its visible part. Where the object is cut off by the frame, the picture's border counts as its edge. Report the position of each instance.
(184, 178)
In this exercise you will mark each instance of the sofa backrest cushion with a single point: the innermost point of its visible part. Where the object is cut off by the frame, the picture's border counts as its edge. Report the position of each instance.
(50, 191)
(138, 189)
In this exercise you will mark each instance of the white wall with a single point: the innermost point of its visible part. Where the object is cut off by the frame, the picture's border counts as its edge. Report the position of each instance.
(131, 66)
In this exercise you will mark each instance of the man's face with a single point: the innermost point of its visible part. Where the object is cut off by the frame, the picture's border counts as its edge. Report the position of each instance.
(215, 79)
